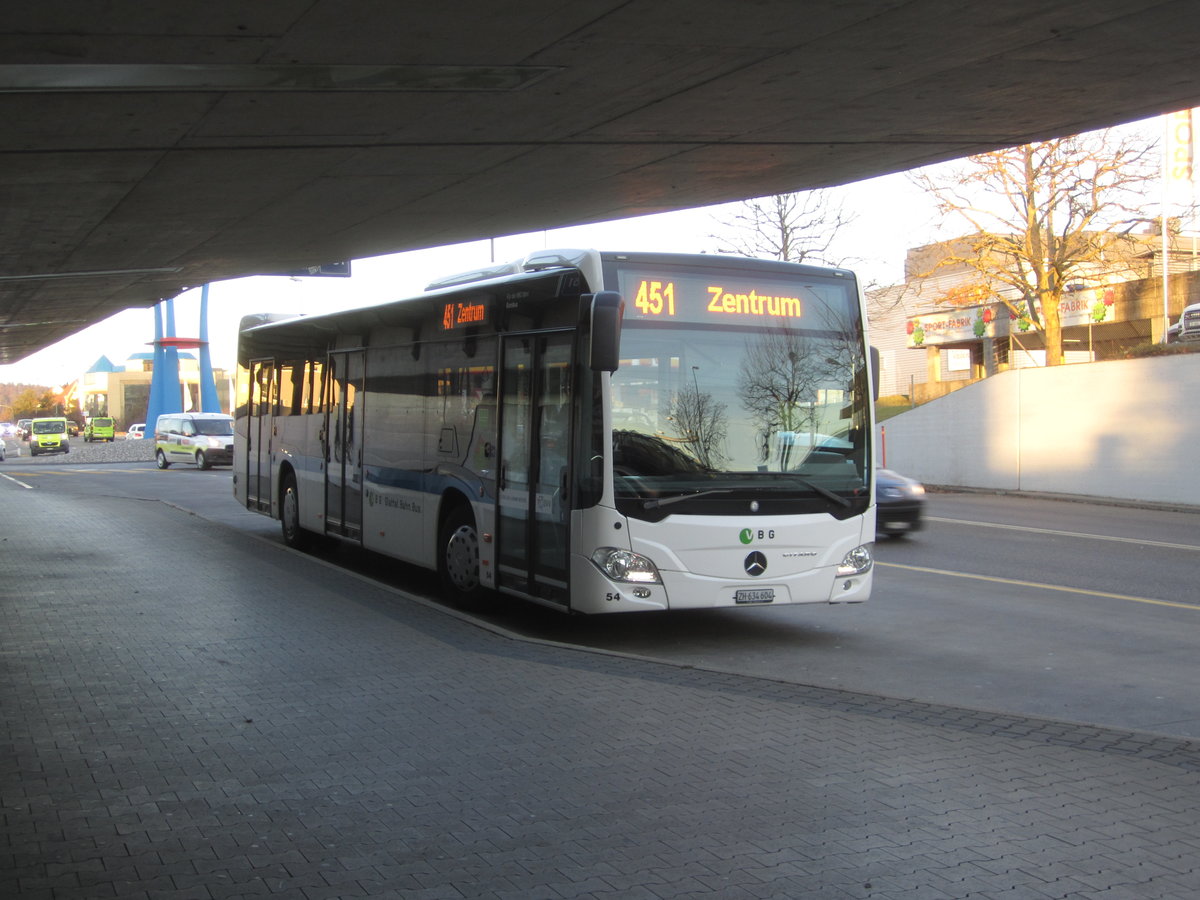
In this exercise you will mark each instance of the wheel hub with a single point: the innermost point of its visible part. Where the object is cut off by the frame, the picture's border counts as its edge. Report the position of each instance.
(462, 558)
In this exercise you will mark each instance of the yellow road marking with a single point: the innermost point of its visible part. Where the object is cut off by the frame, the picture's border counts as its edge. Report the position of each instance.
(1040, 586)
(15, 481)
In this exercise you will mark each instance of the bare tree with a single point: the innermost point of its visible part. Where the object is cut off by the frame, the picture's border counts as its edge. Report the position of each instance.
(798, 227)
(700, 422)
(777, 384)
(1043, 215)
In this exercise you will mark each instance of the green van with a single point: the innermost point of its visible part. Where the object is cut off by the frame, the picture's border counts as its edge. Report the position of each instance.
(48, 435)
(99, 428)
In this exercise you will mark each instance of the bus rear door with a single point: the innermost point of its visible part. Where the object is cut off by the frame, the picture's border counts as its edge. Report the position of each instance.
(532, 526)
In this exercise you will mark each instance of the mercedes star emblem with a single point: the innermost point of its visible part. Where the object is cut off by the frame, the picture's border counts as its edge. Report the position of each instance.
(756, 563)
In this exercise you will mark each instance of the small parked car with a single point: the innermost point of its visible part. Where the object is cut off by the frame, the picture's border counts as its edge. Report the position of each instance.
(1187, 329)
(899, 504)
(136, 432)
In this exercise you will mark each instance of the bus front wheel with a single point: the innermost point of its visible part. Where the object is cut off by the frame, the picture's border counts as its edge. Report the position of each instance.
(289, 515)
(458, 559)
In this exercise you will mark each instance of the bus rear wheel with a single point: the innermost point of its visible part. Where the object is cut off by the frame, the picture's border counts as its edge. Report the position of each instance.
(289, 515)
(458, 559)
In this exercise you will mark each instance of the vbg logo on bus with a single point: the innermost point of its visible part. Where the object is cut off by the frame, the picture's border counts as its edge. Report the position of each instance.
(749, 535)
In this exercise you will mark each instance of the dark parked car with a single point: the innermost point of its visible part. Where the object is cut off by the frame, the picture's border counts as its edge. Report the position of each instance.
(900, 504)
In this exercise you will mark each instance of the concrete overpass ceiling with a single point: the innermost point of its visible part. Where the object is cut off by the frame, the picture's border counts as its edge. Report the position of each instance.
(149, 147)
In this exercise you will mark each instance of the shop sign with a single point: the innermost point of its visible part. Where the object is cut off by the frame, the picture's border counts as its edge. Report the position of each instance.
(1089, 307)
(969, 324)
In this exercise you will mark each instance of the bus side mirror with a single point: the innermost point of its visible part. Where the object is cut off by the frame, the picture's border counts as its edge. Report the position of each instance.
(604, 346)
(874, 373)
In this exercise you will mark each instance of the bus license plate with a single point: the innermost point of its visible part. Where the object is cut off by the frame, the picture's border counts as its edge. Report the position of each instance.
(761, 595)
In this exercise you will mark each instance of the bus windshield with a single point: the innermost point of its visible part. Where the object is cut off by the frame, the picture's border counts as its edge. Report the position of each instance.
(739, 413)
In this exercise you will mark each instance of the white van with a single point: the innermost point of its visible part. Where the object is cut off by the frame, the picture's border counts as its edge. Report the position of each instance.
(203, 439)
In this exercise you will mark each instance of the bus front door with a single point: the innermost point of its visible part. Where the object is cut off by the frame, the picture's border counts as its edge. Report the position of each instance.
(343, 445)
(258, 441)
(532, 524)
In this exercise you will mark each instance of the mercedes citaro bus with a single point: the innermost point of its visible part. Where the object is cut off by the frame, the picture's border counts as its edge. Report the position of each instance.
(596, 432)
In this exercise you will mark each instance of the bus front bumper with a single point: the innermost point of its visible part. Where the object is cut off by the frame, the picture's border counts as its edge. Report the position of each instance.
(593, 592)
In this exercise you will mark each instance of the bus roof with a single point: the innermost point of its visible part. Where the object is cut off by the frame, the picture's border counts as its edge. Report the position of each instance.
(358, 317)
(533, 265)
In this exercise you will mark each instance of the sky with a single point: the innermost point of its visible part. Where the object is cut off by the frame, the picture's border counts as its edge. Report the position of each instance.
(890, 215)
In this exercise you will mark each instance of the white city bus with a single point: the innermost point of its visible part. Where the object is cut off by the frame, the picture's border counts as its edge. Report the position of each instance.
(597, 432)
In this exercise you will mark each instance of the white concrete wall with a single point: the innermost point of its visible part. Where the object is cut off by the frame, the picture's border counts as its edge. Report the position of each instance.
(1127, 429)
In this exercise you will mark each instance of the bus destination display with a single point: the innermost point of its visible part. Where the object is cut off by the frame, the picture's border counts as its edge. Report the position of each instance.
(720, 298)
(460, 315)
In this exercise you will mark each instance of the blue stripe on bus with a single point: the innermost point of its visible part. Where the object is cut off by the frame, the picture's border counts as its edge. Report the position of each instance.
(403, 479)
(434, 483)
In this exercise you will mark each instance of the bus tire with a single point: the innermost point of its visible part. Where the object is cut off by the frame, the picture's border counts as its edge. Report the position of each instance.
(294, 535)
(458, 559)
(160, 460)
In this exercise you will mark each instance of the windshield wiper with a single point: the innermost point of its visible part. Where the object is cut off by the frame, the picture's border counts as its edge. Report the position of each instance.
(823, 491)
(690, 495)
(667, 501)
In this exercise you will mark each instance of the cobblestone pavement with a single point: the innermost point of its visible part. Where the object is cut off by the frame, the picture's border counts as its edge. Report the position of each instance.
(191, 714)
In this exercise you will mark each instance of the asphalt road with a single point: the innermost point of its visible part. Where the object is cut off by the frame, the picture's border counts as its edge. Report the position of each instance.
(1066, 610)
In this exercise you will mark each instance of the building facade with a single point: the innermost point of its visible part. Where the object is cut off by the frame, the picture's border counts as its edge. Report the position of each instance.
(123, 392)
(929, 346)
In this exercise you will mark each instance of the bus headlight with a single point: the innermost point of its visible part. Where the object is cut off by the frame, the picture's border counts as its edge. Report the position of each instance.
(625, 565)
(856, 561)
